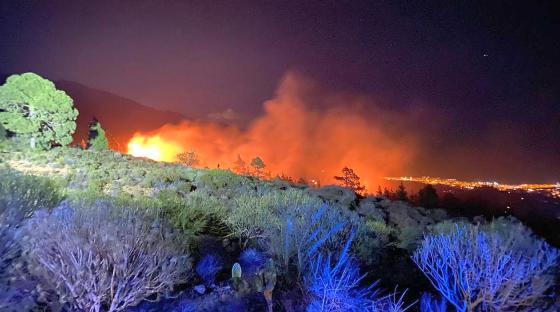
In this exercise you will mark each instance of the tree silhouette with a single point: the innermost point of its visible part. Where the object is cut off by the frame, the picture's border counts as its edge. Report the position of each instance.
(387, 193)
(258, 166)
(427, 197)
(351, 180)
(401, 193)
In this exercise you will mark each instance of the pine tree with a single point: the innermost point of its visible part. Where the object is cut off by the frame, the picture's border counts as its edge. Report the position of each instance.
(427, 197)
(401, 193)
(36, 112)
(258, 165)
(97, 140)
(351, 180)
(387, 193)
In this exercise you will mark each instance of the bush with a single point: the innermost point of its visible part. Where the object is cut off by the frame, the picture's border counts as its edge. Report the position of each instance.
(477, 269)
(193, 214)
(251, 260)
(431, 304)
(104, 257)
(336, 286)
(27, 193)
(253, 214)
(372, 237)
(20, 195)
(409, 223)
(207, 268)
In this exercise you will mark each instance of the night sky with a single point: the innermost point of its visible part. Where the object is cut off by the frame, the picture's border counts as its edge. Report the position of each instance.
(480, 79)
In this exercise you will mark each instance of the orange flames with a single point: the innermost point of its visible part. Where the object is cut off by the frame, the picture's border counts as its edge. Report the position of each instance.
(292, 138)
(153, 147)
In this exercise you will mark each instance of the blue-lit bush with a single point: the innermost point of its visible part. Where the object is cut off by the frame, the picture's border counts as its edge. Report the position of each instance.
(208, 267)
(20, 196)
(251, 260)
(488, 270)
(336, 286)
(431, 304)
(306, 231)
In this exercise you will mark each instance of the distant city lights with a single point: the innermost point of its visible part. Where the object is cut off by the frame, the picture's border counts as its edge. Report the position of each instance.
(552, 189)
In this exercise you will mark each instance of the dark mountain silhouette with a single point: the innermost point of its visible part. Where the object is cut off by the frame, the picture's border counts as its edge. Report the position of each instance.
(120, 117)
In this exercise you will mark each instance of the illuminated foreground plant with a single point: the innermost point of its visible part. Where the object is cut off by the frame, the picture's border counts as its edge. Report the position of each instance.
(336, 286)
(208, 267)
(104, 258)
(475, 270)
(20, 195)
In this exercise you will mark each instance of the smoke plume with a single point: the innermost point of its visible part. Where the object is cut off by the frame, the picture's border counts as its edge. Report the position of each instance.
(304, 132)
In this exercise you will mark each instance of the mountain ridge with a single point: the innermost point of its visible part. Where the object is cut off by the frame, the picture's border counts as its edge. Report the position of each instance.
(119, 116)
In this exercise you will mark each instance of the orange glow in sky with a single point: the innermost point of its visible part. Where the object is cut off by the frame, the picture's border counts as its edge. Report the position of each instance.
(292, 139)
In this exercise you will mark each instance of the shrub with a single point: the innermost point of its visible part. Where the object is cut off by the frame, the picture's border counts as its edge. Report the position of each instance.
(431, 304)
(372, 237)
(208, 267)
(193, 214)
(251, 260)
(104, 257)
(255, 212)
(27, 193)
(304, 231)
(335, 194)
(409, 222)
(336, 286)
(475, 269)
(249, 218)
(20, 195)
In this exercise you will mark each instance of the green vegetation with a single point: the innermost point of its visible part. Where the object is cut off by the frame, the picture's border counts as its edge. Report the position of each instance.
(290, 224)
(97, 140)
(96, 230)
(36, 112)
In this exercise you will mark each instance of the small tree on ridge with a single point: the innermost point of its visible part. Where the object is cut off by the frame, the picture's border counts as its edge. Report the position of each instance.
(97, 140)
(351, 180)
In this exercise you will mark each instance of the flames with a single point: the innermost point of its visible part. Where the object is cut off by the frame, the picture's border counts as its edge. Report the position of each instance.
(292, 138)
(153, 147)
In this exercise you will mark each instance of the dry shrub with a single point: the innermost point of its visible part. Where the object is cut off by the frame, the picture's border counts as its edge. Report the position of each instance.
(104, 257)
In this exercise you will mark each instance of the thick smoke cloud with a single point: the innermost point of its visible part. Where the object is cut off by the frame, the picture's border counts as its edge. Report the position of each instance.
(297, 140)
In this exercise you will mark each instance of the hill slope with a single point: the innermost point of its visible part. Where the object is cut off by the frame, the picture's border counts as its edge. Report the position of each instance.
(119, 116)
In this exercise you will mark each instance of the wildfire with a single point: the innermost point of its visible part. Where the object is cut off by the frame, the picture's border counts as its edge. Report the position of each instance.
(291, 138)
(153, 147)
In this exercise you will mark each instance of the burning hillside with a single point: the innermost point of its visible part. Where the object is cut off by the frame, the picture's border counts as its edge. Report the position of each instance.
(292, 138)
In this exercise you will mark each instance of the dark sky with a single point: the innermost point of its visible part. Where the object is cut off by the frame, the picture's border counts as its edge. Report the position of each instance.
(488, 71)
